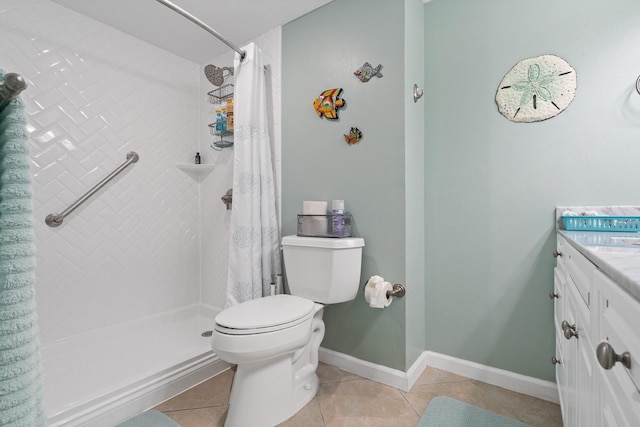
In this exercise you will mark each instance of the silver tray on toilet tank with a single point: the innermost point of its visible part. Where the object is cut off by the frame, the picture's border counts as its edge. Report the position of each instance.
(330, 225)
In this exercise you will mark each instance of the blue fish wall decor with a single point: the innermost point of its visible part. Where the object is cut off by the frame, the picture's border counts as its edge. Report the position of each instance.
(366, 72)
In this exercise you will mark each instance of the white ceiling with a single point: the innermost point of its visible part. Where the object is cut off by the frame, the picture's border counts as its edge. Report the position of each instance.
(239, 21)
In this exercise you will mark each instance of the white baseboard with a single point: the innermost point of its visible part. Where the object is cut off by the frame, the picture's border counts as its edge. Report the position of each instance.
(541, 389)
(417, 369)
(372, 371)
(534, 387)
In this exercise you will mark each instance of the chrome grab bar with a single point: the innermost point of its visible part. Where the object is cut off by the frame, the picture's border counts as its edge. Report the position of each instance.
(54, 220)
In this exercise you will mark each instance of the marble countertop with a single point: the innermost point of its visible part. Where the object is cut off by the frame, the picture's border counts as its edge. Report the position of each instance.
(615, 253)
(620, 262)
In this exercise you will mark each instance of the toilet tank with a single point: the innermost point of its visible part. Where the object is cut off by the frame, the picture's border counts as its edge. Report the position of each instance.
(324, 270)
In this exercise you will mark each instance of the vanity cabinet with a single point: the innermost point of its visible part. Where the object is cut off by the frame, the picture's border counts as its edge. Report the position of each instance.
(593, 314)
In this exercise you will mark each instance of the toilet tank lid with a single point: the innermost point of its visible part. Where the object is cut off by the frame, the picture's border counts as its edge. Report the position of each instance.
(323, 242)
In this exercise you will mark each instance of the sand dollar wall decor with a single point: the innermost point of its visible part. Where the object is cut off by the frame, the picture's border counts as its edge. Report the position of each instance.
(536, 89)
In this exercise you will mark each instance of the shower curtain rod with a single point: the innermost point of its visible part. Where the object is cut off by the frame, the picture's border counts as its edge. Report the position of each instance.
(203, 25)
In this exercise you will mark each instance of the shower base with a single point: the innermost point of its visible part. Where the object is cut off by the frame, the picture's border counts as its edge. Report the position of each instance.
(108, 376)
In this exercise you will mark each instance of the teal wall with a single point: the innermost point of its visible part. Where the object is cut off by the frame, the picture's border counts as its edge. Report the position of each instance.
(491, 185)
(321, 51)
(414, 181)
(452, 198)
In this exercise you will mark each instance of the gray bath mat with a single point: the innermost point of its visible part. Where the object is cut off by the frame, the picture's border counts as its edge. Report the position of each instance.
(446, 412)
(150, 418)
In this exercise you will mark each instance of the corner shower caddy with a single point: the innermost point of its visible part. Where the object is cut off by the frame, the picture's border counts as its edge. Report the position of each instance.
(217, 96)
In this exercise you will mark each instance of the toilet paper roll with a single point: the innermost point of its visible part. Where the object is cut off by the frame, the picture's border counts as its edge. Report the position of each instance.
(375, 293)
(314, 226)
(311, 207)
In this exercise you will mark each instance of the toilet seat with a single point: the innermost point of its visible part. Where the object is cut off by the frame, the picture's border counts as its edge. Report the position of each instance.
(268, 314)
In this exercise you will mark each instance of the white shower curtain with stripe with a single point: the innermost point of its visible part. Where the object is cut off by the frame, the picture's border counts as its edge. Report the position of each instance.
(254, 256)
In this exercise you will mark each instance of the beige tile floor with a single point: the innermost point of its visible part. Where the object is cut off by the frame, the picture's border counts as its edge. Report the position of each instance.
(348, 400)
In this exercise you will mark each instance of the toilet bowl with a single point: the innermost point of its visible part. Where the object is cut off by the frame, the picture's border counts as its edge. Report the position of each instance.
(274, 340)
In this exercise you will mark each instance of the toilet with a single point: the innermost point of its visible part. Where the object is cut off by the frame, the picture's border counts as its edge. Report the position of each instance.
(275, 340)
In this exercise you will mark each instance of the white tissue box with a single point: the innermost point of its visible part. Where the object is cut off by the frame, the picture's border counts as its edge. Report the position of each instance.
(324, 225)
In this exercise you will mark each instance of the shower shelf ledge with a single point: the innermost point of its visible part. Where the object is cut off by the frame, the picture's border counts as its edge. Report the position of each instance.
(201, 169)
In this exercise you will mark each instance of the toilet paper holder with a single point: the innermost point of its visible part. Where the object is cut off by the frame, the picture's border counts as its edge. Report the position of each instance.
(397, 291)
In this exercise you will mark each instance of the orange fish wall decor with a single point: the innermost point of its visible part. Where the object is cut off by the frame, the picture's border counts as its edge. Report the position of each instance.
(354, 136)
(328, 102)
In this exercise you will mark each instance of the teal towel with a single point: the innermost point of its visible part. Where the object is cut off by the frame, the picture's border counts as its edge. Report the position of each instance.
(446, 412)
(21, 396)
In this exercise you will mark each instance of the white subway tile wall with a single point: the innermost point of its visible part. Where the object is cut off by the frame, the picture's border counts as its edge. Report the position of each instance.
(95, 94)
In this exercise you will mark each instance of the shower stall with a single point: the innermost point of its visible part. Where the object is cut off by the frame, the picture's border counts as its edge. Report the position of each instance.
(126, 286)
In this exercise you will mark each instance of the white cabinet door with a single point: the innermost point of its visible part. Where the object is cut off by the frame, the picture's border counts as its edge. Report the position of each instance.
(586, 407)
(564, 311)
(569, 350)
(565, 352)
(618, 324)
(572, 316)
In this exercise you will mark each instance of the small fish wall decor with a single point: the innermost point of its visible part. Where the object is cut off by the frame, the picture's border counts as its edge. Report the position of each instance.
(536, 89)
(354, 136)
(328, 102)
(366, 72)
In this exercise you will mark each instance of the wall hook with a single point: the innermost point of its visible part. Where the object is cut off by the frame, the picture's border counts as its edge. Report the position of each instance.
(417, 93)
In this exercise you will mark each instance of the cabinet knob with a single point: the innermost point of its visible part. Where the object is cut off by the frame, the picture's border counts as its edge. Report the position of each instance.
(553, 295)
(570, 333)
(555, 361)
(565, 325)
(569, 330)
(557, 254)
(607, 356)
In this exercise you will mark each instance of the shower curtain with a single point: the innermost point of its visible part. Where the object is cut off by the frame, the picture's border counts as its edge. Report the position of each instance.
(21, 397)
(254, 257)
